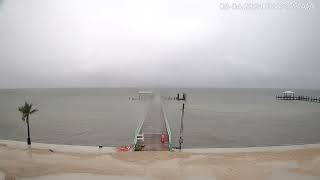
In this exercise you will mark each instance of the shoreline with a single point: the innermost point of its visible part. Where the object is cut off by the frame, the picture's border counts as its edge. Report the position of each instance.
(58, 147)
(63, 162)
(96, 150)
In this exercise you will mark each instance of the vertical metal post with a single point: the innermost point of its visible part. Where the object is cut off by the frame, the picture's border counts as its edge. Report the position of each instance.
(181, 128)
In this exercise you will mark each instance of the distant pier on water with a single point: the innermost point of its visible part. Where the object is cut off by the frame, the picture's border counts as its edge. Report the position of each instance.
(290, 95)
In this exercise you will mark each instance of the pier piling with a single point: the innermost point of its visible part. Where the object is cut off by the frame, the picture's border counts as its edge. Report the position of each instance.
(299, 98)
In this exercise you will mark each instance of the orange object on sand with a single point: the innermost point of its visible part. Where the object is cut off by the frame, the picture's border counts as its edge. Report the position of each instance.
(124, 148)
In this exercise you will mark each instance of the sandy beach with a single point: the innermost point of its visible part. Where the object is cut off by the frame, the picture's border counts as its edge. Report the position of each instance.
(17, 161)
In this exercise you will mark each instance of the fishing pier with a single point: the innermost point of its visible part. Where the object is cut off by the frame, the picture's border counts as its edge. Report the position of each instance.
(289, 95)
(153, 132)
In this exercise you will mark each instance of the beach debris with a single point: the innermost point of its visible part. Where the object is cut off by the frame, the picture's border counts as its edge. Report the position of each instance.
(123, 148)
(139, 147)
(3, 145)
(51, 150)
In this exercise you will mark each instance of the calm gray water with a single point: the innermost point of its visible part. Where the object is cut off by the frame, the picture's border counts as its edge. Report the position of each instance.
(213, 118)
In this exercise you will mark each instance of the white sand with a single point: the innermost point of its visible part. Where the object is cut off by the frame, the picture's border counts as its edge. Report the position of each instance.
(18, 161)
(2, 175)
(85, 176)
(251, 149)
(59, 147)
(82, 176)
(286, 175)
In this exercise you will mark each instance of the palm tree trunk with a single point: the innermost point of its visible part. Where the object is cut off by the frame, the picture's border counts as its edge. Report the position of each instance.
(29, 140)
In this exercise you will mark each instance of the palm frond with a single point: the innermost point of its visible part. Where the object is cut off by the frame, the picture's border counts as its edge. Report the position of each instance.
(26, 110)
(30, 107)
(33, 111)
(21, 109)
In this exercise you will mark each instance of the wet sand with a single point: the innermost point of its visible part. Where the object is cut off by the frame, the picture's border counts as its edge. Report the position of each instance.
(283, 163)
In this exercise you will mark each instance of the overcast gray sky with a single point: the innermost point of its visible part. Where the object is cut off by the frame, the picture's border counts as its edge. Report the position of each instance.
(87, 43)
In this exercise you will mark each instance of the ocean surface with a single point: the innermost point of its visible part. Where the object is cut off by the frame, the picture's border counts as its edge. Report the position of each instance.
(213, 118)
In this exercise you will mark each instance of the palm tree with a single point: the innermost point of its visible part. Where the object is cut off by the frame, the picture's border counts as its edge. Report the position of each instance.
(27, 110)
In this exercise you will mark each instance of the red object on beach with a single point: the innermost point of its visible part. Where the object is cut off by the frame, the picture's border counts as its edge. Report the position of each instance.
(162, 138)
(124, 148)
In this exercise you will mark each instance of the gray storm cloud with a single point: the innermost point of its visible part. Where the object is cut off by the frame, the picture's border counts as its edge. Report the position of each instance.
(57, 43)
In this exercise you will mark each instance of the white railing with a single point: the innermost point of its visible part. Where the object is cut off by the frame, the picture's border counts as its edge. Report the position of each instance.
(135, 139)
(167, 126)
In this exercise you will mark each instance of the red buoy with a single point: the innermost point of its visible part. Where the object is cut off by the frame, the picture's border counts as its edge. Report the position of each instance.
(162, 138)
